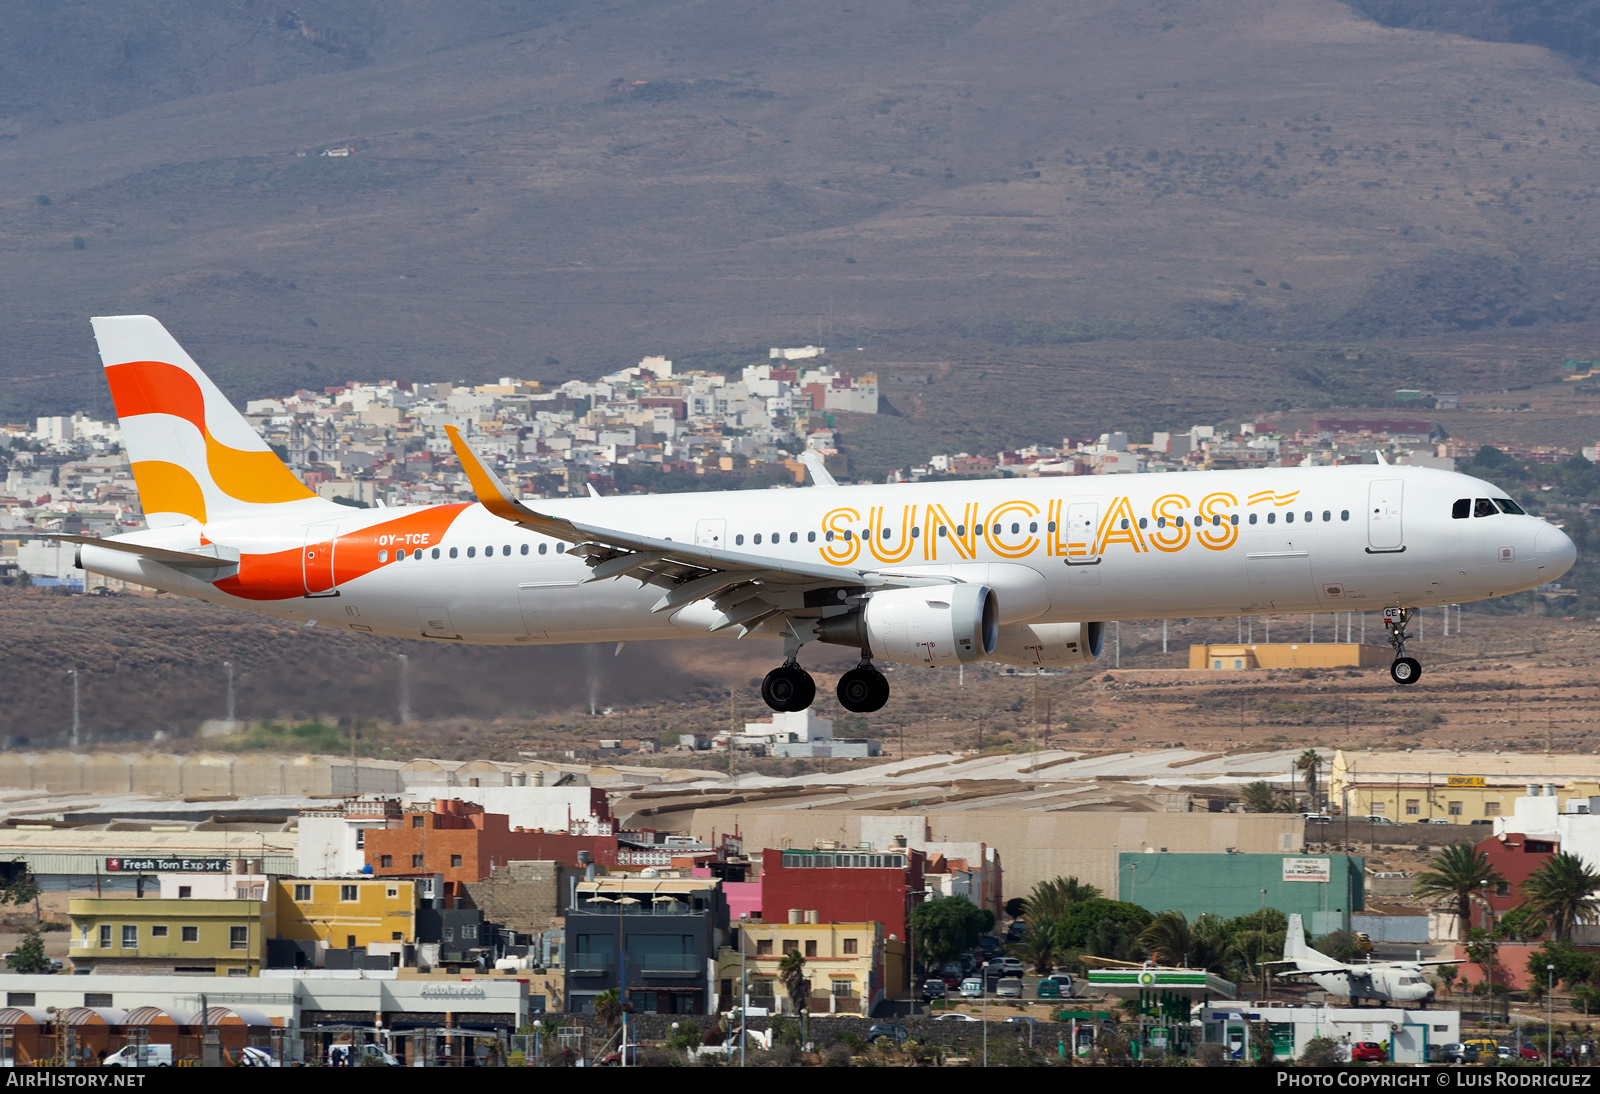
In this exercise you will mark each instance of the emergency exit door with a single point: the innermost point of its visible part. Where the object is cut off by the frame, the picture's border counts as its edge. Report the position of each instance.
(1385, 530)
(316, 560)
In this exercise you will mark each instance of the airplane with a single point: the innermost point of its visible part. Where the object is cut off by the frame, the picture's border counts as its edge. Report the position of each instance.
(1017, 571)
(1385, 981)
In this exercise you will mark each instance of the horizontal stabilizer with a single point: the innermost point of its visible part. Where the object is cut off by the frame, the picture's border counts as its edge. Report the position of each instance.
(220, 556)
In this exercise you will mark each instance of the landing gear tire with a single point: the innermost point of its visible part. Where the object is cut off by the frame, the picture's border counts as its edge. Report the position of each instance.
(788, 688)
(1406, 670)
(863, 690)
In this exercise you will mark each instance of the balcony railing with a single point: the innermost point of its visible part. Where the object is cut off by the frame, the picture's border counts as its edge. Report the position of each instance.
(671, 964)
(644, 907)
(588, 964)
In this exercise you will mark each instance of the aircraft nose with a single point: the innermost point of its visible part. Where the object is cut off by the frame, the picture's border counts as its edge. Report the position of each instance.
(1556, 552)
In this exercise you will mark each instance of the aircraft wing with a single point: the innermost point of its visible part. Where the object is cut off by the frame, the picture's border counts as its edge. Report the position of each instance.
(689, 572)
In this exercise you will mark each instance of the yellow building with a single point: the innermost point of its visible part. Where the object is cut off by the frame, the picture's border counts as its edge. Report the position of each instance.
(1457, 787)
(1290, 655)
(850, 965)
(171, 936)
(345, 913)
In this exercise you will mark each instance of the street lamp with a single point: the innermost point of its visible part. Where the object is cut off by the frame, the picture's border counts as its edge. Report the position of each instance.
(1488, 924)
(1550, 1014)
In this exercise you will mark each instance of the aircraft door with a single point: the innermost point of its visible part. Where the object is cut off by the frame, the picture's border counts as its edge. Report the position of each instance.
(1083, 522)
(711, 533)
(316, 560)
(1384, 529)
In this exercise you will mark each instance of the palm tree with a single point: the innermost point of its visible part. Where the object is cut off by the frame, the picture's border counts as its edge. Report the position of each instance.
(1455, 873)
(792, 975)
(1168, 938)
(1310, 762)
(1561, 890)
(1039, 945)
(608, 1006)
(1260, 797)
(1051, 899)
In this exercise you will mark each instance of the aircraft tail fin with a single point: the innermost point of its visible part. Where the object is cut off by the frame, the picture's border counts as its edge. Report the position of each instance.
(1294, 940)
(194, 457)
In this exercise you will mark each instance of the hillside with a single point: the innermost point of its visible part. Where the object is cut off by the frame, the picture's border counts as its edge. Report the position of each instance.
(1226, 205)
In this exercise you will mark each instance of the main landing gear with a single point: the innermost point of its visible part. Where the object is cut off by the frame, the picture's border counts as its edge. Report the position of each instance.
(790, 688)
(1404, 670)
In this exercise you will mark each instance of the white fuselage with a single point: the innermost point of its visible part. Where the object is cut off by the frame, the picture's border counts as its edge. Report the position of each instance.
(1214, 543)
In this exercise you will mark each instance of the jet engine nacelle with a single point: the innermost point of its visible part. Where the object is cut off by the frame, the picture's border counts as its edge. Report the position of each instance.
(1049, 645)
(935, 625)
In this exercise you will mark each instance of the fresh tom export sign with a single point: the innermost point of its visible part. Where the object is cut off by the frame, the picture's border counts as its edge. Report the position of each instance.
(1307, 869)
(169, 865)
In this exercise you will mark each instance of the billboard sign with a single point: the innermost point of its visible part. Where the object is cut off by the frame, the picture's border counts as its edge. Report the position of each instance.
(169, 866)
(1307, 869)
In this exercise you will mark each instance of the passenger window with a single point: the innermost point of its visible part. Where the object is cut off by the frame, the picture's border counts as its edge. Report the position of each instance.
(1144, 522)
(1462, 509)
(1033, 526)
(776, 537)
(561, 548)
(1233, 519)
(543, 547)
(1483, 507)
(916, 532)
(1252, 518)
(943, 531)
(1272, 518)
(452, 552)
(1310, 517)
(1051, 527)
(472, 552)
(961, 529)
(1508, 506)
(1015, 528)
(524, 548)
(1179, 522)
(811, 537)
(997, 529)
(1124, 524)
(848, 535)
(1161, 522)
(794, 537)
(828, 537)
(756, 540)
(1216, 521)
(1326, 516)
(436, 552)
(1288, 518)
(1344, 514)
(739, 540)
(886, 533)
(383, 556)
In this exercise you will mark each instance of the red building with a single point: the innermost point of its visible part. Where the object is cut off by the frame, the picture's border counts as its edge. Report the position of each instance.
(842, 886)
(460, 841)
(1516, 856)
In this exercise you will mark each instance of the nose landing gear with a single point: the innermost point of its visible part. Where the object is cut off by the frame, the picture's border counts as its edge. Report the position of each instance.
(863, 689)
(1404, 670)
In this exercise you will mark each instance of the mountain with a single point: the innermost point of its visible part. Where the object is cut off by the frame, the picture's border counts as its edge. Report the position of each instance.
(1134, 211)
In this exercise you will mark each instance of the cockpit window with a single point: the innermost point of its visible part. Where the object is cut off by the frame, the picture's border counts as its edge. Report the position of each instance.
(1508, 506)
(1462, 509)
(1483, 507)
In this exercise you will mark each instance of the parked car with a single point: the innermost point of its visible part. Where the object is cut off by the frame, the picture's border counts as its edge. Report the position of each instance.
(1010, 987)
(1363, 943)
(364, 1056)
(1528, 1052)
(1483, 820)
(956, 1016)
(1456, 1053)
(614, 1058)
(934, 989)
(1015, 932)
(990, 945)
(1064, 981)
(1374, 818)
(1318, 818)
(1022, 1019)
(972, 987)
(889, 1031)
(1005, 965)
(140, 1056)
(1367, 1052)
(1048, 989)
(1438, 820)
